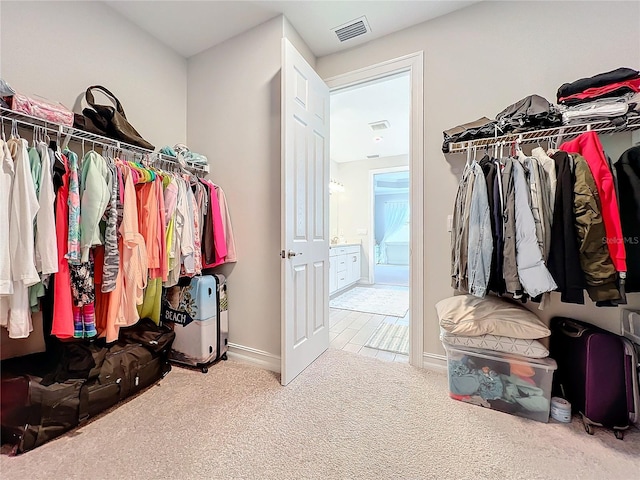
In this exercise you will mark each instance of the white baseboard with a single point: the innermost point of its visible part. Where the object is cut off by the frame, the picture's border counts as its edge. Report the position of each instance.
(435, 362)
(253, 356)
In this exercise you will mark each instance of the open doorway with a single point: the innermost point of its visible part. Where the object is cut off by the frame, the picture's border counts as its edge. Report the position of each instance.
(369, 258)
(391, 227)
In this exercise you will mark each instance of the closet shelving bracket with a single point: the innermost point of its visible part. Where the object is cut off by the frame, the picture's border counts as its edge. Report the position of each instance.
(559, 134)
(81, 135)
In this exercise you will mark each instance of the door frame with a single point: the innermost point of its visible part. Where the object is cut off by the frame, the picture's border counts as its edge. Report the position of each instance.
(372, 214)
(414, 64)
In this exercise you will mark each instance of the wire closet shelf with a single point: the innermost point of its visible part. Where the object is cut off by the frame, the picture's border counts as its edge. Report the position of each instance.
(558, 134)
(80, 135)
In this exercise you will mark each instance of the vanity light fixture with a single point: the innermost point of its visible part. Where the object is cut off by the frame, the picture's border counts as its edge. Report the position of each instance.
(335, 186)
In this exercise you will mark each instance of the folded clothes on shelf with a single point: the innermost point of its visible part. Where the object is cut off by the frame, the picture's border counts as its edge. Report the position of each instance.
(481, 128)
(181, 151)
(597, 110)
(604, 85)
(530, 113)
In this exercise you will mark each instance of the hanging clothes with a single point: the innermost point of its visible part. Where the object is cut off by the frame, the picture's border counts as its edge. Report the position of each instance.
(134, 257)
(480, 238)
(230, 241)
(549, 167)
(589, 146)
(460, 231)
(111, 260)
(628, 174)
(62, 326)
(6, 185)
(599, 272)
(532, 270)
(510, 266)
(73, 254)
(564, 260)
(120, 232)
(15, 312)
(95, 194)
(218, 239)
(46, 243)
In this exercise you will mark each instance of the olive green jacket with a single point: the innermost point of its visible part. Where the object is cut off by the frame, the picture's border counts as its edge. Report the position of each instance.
(595, 259)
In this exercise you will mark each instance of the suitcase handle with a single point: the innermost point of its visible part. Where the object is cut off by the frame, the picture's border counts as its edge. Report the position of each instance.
(572, 329)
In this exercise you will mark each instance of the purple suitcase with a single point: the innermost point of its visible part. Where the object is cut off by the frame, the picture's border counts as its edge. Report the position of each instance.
(594, 374)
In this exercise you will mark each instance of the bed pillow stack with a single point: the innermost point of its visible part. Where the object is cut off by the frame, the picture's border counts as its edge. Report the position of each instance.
(491, 323)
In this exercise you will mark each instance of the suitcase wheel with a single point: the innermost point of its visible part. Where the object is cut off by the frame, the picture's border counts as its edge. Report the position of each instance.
(619, 434)
(224, 357)
(590, 430)
(204, 369)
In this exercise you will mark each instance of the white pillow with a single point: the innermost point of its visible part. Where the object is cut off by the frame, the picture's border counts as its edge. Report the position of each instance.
(470, 316)
(519, 346)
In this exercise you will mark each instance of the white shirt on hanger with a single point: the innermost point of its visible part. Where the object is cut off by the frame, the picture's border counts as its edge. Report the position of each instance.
(6, 182)
(15, 313)
(46, 240)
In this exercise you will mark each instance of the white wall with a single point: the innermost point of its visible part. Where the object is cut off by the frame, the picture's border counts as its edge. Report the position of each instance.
(297, 41)
(354, 206)
(57, 49)
(479, 60)
(234, 118)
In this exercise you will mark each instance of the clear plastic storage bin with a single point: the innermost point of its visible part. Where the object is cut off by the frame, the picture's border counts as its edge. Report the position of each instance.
(508, 383)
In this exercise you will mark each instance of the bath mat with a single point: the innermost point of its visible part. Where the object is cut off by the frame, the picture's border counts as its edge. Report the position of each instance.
(381, 301)
(392, 338)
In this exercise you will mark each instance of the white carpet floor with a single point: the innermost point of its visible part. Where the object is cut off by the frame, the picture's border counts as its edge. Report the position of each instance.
(346, 417)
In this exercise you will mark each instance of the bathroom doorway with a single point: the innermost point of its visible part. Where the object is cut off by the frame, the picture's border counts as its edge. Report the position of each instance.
(370, 218)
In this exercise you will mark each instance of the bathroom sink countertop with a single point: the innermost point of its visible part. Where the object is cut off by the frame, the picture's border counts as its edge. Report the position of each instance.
(344, 245)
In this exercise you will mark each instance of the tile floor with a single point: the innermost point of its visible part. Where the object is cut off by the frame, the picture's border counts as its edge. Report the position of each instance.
(350, 331)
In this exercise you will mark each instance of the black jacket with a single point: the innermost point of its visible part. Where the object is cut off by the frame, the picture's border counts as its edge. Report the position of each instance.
(564, 259)
(491, 173)
(628, 172)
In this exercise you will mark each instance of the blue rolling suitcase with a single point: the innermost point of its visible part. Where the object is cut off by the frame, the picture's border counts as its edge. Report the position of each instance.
(199, 316)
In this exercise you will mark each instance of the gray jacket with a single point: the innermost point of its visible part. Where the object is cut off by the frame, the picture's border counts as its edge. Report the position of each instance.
(532, 270)
(510, 266)
(549, 166)
(460, 231)
(541, 207)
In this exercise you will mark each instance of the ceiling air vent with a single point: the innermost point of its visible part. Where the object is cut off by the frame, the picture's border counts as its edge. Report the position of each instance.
(381, 125)
(373, 156)
(352, 29)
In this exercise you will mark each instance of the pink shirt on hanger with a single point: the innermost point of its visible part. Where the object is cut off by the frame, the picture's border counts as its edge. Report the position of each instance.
(218, 228)
(62, 304)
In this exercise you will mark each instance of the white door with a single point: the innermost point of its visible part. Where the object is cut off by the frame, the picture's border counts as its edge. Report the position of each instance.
(305, 214)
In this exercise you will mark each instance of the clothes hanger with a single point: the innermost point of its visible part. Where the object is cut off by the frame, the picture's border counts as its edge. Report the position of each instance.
(14, 129)
(53, 144)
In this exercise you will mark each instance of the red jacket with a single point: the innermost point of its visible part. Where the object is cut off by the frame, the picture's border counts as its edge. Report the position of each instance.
(588, 145)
